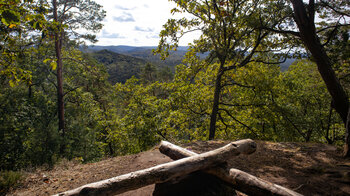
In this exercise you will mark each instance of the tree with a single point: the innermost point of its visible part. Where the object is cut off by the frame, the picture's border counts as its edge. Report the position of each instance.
(229, 32)
(305, 21)
(68, 17)
(17, 19)
(310, 33)
(305, 104)
(28, 113)
(28, 130)
(148, 73)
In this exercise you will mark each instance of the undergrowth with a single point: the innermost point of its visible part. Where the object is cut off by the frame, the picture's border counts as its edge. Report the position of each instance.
(8, 180)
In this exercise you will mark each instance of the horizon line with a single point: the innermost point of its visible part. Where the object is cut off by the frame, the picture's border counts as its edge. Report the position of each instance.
(128, 45)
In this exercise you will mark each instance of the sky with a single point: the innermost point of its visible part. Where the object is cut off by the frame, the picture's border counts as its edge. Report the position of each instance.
(135, 22)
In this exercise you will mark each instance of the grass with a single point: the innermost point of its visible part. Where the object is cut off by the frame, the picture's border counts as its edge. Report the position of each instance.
(8, 180)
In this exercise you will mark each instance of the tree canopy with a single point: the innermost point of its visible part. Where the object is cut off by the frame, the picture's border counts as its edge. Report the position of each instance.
(57, 102)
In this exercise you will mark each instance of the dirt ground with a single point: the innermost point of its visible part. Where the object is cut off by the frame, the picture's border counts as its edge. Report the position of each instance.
(307, 168)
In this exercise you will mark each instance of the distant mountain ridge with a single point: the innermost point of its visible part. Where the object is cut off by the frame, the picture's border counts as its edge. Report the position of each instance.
(144, 52)
(127, 49)
(122, 62)
(120, 67)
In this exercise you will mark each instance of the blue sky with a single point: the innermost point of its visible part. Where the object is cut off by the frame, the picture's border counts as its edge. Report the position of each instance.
(135, 22)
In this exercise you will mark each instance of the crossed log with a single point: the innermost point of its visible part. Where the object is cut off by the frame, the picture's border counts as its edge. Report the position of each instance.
(239, 180)
(185, 163)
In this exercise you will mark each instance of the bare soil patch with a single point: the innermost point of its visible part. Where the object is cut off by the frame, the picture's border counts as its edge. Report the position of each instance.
(308, 168)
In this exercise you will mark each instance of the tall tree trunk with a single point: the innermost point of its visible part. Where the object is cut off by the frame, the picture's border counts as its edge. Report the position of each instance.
(347, 137)
(328, 137)
(30, 91)
(215, 109)
(306, 25)
(60, 95)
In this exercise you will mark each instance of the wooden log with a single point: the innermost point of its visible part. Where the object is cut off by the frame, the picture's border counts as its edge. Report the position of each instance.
(257, 186)
(175, 152)
(158, 174)
(240, 180)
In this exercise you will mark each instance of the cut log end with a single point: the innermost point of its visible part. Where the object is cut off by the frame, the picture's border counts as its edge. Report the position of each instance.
(246, 146)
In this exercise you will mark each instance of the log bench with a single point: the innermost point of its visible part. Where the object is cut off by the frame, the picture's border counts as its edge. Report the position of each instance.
(186, 167)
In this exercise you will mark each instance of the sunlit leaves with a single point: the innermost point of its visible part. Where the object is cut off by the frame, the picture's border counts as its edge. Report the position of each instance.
(10, 18)
(18, 18)
(51, 62)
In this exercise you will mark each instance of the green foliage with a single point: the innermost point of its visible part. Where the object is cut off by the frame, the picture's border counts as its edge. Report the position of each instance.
(77, 15)
(145, 53)
(28, 132)
(258, 101)
(9, 179)
(146, 103)
(234, 34)
(120, 67)
(28, 127)
(308, 100)
(17, 20)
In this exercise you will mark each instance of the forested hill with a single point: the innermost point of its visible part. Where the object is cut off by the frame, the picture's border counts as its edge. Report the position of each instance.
(145, 53)
(122, 67)
(56, 102)
(123, 62)
(119, 67)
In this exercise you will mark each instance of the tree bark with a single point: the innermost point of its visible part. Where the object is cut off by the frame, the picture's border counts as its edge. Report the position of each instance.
(347, 137)
(160, 173)
(239, 180)
(246, 146)
(306, 26)
(60, 95)
(215, 109)
(252, 185)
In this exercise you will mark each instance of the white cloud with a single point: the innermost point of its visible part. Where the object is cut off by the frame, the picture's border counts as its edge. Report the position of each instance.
(125, 17)
(123, 8)
(143, 29)
(106, 34)
(135, 22)
(152, 36)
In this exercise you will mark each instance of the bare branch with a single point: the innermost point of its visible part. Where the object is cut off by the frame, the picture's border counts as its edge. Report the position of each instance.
(244, 125)
(237, 84)
(243, 105)
(333, 26)
(294, 33)
(71, 90)
(324, 3)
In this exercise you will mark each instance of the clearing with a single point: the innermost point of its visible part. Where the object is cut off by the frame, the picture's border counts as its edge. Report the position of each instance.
(307, 168)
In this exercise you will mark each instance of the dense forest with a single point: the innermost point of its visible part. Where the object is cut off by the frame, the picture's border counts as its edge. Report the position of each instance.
(60, 102)
(145, 53)
(121, 67)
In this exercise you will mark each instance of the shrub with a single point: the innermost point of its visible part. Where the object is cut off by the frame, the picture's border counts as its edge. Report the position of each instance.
(9, 179)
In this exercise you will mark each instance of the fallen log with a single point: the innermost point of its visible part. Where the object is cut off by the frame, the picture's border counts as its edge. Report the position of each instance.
(175, 152)
(160, 173)
(239, 180)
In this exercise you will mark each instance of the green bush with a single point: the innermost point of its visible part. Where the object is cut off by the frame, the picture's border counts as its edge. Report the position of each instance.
(9, 179)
